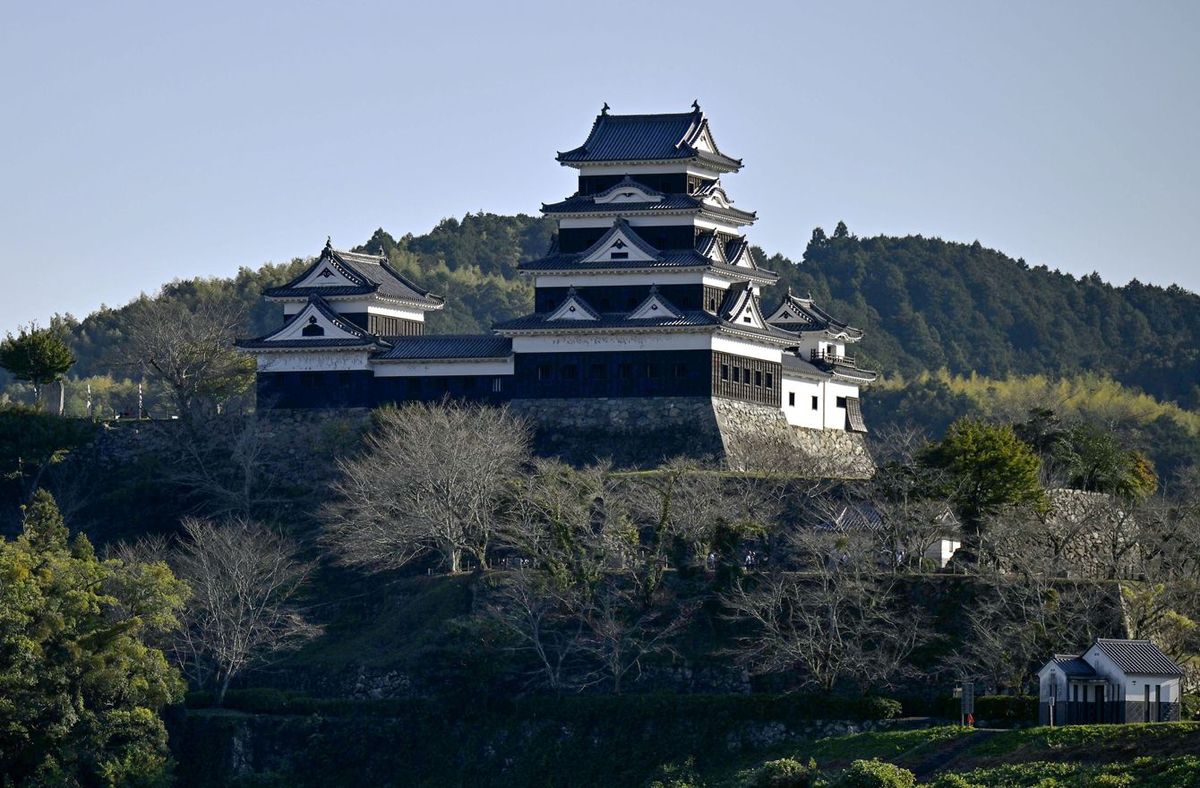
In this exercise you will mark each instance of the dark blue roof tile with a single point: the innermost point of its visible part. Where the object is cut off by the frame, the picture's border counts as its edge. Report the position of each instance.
(445, 347)
(646, 138)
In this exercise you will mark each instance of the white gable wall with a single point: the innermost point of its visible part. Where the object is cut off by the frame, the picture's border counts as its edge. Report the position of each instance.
(1132, 687)
(295, 329)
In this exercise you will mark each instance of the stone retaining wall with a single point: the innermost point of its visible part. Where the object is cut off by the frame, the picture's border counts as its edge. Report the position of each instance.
(644, 432)
(758, 435)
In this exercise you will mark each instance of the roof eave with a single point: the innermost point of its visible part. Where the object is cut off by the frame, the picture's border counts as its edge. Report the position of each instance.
(724, 165)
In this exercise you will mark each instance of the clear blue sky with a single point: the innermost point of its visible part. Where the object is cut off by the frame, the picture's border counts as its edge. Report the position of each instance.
(141, 142)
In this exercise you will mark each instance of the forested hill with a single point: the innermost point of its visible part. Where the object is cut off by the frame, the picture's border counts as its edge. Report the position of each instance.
(926, 304)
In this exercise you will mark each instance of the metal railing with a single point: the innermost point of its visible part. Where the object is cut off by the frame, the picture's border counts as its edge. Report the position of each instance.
(829, 357)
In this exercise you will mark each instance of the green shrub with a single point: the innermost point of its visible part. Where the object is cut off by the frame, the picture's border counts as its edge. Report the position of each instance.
(1010, 709)
(786, 773)
(1191, 707)
(954, 781)
(881, 708)
(876, 774)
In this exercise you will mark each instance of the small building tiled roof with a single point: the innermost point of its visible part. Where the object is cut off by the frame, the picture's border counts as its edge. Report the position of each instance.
(1074, 666)
(446, 347)
(368, 275)
(1140, 657)
(656, 137)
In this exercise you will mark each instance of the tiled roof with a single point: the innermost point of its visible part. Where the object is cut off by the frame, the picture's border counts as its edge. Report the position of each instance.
(621, 320)
(1074, 666)
(670, 258)
(305, 344)
(645, 138)
(738, 298)
(376, 274)
(670, 202)
(793, 363)
(812, 318)
(1139, 657)
(609, 320)
(853, 373)
(446, 346)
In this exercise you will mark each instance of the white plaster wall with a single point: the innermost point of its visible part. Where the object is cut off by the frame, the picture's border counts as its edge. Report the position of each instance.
(802, 414)
(387, 311)
(312, 361)
(747, 348)
(835, 417)
(1048, 676)
(1135, 688)
(295, 330)
(636, 221)
(604, 342)
(642, 279)
(648, 169)
(595, 343)
(359, 305)
(415, 369)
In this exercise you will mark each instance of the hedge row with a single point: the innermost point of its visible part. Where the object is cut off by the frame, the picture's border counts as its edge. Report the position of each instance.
(575, 708)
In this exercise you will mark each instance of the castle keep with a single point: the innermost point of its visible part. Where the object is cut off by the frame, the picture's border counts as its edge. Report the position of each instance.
(648, 334)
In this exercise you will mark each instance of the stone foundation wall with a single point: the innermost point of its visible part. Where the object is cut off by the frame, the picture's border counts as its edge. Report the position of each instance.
(643, 432)
(759, 436)
(633, 432)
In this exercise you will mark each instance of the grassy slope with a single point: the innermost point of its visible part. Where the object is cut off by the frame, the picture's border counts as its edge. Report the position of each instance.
(1154, 754)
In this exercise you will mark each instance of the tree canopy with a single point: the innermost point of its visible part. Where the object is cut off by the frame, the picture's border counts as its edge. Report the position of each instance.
(80, 682)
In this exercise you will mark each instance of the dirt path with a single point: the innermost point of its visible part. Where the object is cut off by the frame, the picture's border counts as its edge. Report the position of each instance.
(945, 757)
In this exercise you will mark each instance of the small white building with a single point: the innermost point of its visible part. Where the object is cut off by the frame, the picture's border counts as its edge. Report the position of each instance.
(1116, 681)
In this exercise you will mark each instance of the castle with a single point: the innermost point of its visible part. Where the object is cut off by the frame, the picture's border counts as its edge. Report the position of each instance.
(648, 335)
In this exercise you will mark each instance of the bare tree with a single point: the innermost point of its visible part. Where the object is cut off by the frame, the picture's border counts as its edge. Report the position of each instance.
(540, 613)
(839, 619)
(431, 480)
(1014, 621)
(690, 514)
(623, 628)
(589, 600)
(244, 579)
(231, 467)
(188, 347)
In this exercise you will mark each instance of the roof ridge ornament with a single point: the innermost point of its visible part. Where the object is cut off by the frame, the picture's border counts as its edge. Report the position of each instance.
(696, 105)
(604, 109)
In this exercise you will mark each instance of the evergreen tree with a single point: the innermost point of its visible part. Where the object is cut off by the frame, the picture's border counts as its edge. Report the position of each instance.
(80, 684)
(989, 469)
(39, 356)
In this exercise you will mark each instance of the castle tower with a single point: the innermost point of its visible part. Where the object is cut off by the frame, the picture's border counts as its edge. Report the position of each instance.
(648, 337)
